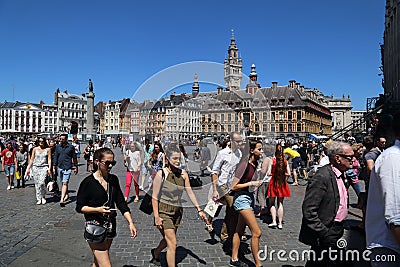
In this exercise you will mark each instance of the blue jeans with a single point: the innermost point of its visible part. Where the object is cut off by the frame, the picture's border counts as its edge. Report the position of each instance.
(357, 188)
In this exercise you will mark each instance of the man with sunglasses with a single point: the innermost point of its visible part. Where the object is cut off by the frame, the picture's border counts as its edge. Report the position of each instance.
(325, 205)
(64, 155)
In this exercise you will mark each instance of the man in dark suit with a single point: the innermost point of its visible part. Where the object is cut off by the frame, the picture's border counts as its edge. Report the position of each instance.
(325, 206)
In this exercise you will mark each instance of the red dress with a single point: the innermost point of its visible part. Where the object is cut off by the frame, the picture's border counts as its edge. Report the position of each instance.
(273, 189)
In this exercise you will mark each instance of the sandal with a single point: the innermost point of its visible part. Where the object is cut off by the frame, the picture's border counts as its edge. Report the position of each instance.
(209, 227)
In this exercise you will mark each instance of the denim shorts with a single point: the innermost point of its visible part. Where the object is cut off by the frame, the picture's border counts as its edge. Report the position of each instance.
(243, 202)
(9, 169)
(144, 169)
(64, 175)
(296, 162)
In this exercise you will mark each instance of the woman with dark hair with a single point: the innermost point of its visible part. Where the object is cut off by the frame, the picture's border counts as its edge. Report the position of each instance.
(156, 162)
(168, 187)
(244, 184)
(40, 163)
(97, 197)
(89, 152)
(278, 187)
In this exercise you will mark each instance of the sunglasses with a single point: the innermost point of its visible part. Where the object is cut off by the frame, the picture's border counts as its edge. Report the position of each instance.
(348, 157)
(108, 163)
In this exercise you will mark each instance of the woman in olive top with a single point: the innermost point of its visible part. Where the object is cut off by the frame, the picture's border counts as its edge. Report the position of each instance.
(169, 184)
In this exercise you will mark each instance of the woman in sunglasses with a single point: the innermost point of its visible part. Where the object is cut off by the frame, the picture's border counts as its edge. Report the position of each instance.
(40, 163)
(98, 196)
(168, 187)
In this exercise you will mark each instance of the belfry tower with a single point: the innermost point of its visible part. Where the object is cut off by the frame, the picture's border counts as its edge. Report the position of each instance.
(233, 67)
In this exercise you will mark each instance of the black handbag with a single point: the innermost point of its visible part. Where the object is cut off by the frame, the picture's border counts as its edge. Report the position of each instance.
(95, 232)
(146, 205)
(195, 180)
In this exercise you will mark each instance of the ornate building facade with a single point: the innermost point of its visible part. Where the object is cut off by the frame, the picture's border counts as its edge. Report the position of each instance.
(391, 53)
(70, 107)
(17, 117)
(340, 111)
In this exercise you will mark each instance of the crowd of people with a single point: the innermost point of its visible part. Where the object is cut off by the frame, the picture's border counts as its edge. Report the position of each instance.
(245, 178)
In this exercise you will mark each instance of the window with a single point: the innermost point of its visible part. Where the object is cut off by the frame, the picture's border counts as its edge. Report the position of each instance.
(222, 117)
(289, 115)
(299, 127)
(236, 128)
(299, 115)
(256, 116)
(229, 117)
(290, 127)
(236, 117)
(281, 129)
(280, 116)
(265, 128)
(265, 116)
(272, 127)
(229, 128)
(215, 128)
(273, 116)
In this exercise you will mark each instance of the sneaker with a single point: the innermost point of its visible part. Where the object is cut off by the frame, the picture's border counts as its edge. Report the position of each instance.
(39, 202)
(12, 187)
(141, 188)
(236, 263)
(8, 187)
(280, 226)
(272, 225)
(43, 200)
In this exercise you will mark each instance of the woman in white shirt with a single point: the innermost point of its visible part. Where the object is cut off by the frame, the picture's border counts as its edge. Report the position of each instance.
(133, 162)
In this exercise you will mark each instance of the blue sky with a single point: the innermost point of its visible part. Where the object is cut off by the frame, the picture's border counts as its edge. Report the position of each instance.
(123, 44)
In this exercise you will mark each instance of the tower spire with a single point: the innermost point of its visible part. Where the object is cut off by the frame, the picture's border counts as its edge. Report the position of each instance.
(233, 66)
(195, 86)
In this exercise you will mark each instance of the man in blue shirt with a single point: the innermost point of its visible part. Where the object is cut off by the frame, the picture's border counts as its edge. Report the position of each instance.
(64, 155)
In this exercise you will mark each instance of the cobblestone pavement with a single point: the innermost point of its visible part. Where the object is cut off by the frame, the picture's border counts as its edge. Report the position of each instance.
(48, 235)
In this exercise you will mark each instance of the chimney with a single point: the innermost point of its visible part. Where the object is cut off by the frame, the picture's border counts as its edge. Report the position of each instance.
(291, 83)
(172, 96)
(274, 85)
(219, 90)
(297, 86)
(302, 87)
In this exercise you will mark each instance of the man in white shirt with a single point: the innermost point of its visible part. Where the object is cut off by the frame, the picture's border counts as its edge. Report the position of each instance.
(383, 209)
(222, 177)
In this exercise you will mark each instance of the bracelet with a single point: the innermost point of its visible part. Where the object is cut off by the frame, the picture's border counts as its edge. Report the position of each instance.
(199, 211)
